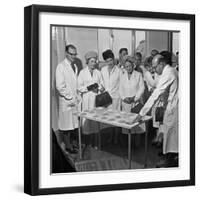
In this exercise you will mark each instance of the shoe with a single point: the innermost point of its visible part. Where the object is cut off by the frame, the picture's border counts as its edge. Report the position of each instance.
(166, 162)
(174, 161)
(162, 163)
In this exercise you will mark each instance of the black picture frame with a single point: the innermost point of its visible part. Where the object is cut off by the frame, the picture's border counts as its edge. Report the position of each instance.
(31, 98)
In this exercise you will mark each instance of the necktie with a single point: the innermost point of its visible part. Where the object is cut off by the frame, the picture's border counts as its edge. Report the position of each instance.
(91, 72)
(73, 67)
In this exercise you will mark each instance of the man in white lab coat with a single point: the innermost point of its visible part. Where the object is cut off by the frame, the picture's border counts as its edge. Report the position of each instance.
(168, 82)
(66, 85)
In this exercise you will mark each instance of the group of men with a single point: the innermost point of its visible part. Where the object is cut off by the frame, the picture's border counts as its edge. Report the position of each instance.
(67, 73)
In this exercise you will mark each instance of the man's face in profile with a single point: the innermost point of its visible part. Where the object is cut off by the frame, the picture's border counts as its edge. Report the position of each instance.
(159, 68)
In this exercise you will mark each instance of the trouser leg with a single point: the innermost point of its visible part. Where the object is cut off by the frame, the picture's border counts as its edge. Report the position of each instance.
(74, 137)
(66, 138)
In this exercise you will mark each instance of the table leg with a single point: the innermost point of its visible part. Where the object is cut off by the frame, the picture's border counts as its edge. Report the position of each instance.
(79, 137)
(146, 145)
(99, 136)
(129, 149)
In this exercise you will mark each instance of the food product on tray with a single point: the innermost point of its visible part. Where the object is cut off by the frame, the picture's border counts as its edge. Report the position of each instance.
(130, 114)
(121, 121)
(111, 119)
(104, 118)
(129, 122)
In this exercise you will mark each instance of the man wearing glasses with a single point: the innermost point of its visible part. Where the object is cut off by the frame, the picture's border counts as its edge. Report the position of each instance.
(66, 85)
(168, 82)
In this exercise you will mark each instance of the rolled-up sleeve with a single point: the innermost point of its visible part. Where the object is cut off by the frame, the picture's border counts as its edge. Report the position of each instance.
(63, 89)
(141, 88)
(121, 88)
(163, 83)
(149, 79)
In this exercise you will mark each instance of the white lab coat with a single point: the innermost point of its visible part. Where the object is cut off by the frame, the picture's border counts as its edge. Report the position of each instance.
(111, 84)
(129, 88)
(66, 84)
(168, 82)
(88, 97)
(151, 84)
(150, 80)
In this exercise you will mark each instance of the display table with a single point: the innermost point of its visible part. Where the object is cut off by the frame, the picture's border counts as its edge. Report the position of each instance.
(114, 118)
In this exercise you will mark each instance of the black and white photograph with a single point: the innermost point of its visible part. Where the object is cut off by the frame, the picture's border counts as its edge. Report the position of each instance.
(114, 99)
(109, 98)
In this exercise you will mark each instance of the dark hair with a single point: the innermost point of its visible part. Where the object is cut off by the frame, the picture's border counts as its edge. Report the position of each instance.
(123, 49)
(139, 55)
(155, 52)
(162, 60)
(67, 47)
(108, 54)
(148, 61)
(167, 57)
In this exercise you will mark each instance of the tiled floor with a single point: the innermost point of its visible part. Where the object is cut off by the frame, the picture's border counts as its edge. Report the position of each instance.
(115, 156)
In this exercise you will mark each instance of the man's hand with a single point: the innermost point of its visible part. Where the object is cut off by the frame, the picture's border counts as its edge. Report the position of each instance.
(136, 99)
(139, 118)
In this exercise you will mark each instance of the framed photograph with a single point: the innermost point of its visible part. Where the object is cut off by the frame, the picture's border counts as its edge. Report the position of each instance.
(109, 99)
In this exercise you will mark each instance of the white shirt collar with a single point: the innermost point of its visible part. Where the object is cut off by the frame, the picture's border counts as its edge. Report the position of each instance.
(113, 69)
(166, 67)
(67, 61)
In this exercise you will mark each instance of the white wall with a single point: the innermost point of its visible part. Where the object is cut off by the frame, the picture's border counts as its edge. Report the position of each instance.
(85, 39)
(157, 40)
(11, 100)
(175, 39)
(97, 39)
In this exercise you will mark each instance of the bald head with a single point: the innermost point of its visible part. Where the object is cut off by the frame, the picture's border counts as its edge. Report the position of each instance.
(156, 60)
(159, 63)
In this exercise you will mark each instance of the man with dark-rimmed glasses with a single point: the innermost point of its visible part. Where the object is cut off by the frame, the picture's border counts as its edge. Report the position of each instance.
(66, 85)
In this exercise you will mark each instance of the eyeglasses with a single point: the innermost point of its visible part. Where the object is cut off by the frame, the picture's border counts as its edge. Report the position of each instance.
(72, 54)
